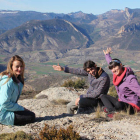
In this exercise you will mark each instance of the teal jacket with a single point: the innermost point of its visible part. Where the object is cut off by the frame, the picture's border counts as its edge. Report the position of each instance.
(9, 94)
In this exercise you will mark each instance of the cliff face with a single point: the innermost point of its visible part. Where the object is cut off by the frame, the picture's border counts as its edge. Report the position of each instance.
(130, 28)
(129, 13)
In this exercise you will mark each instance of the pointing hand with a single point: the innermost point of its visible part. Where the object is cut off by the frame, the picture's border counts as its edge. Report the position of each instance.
(58, 67)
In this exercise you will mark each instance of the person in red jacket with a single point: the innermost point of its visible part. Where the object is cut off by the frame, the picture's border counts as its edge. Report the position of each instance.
(126, 84)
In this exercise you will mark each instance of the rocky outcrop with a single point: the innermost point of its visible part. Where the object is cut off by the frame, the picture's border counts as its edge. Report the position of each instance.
(130, 28)
(59, 93)
(129, 13)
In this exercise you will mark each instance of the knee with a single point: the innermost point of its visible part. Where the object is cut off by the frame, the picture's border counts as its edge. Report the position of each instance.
(118, 106)
(81, 101)
(103, 96)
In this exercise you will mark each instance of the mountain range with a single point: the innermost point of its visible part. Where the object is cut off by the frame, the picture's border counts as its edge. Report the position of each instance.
(25, 31)
(69, 38)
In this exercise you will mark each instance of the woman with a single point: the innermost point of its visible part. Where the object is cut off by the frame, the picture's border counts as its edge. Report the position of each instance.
(11, 84)
(127, 86)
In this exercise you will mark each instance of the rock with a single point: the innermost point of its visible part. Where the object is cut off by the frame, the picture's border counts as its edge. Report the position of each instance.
(57, 93)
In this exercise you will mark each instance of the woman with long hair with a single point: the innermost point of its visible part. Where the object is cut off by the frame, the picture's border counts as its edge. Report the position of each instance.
(127, 87)
(11, 84)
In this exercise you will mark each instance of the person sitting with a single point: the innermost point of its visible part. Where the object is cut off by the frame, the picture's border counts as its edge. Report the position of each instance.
(99, 83)
(127, 86)
(11, 84)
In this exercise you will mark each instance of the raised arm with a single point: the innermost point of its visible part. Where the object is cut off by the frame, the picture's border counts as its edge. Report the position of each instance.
(107, 53)
(77, 71)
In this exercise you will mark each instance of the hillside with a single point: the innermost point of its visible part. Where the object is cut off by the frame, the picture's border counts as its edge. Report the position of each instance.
(51, 35)
(68, 39)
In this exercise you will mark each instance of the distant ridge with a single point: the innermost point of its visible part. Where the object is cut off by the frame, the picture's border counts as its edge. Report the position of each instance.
(55, 34)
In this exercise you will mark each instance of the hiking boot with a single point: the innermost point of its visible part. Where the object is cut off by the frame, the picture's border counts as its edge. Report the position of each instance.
(80, 110)
(110, 115)
(104, 109)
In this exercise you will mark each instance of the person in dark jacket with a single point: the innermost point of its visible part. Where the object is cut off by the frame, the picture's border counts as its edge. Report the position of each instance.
(99, 83)
(127, 86)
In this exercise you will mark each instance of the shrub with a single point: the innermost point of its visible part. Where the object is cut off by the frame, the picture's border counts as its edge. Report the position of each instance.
(68, 83)
(113, 92)
(62, 134)
(19, 135)
(79, 83)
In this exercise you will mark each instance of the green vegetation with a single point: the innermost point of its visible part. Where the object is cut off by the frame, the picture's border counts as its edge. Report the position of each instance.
(95, 34)
(46, 68)
(76, 65)
(53, 63)
(79, 83)
(62, 134)
(19, 135)
(42, 70)
(2, 59)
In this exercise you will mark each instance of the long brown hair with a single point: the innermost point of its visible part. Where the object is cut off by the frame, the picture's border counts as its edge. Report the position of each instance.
(9, 70)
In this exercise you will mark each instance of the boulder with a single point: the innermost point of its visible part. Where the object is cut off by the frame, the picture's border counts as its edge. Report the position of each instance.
(59, 93)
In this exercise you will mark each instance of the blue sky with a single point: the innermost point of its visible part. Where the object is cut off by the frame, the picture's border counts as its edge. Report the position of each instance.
(68, 6)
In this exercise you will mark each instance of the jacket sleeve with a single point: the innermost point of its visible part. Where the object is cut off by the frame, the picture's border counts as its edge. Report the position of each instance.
(95, 93)
(6, 95)
(108, 58)
(77, 71)
(134, 85)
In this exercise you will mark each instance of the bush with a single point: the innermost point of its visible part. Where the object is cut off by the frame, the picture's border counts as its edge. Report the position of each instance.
(19, 135)
(79, 83)
(113, 92)
(62, 134)
(68, 83)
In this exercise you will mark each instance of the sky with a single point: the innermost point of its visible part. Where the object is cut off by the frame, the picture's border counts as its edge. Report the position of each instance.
(95, 7)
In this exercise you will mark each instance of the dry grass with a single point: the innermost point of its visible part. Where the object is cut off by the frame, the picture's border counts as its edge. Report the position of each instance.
(19, 135)
(123, 114)
(98, 112)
